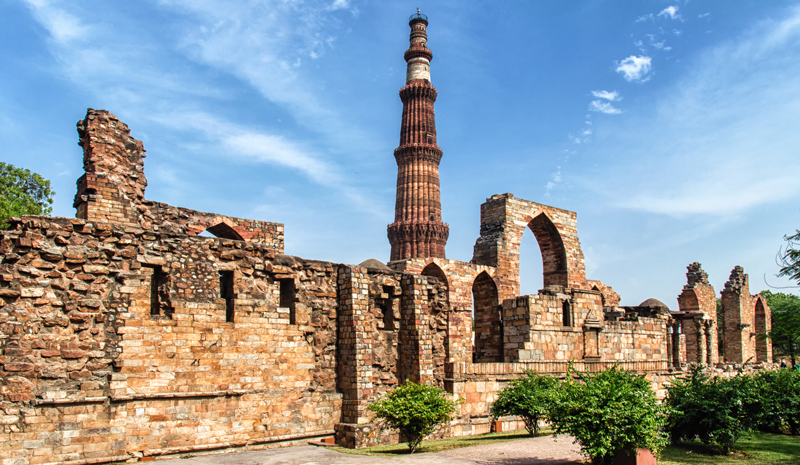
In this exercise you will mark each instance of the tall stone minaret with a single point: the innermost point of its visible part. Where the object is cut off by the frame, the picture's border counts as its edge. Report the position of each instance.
(418, 230)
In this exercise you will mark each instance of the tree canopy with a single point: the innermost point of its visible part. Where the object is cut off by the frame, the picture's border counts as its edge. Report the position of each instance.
(23, 192)
(785, 332)
(790, 257)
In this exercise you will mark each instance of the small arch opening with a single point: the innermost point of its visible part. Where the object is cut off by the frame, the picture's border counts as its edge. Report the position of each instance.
(487, 321)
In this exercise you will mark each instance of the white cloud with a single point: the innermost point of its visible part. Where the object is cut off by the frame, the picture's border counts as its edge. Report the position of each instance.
(703, 15)
(604, 107)
(722, 139)
(555, 179)
(339, 5)
(610, 96)
(62, 26)
(645, 18)
(670, 12)
(635, 68)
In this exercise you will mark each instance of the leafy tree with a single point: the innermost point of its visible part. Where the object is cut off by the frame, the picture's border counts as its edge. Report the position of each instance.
(713, 409)
(609, 412)
(785, 332)
(414, 409)
(790, 257)
(23, 192)
(529, 398)
(780, 400)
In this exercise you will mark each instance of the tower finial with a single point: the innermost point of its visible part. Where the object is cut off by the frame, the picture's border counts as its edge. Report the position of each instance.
(418, 12)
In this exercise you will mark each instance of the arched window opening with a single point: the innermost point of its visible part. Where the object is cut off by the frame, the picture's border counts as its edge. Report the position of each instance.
(223, 231)
(761, 332)
(436, 272)
(566, 313)
(554, 255)
(531, 270)
(487, 321)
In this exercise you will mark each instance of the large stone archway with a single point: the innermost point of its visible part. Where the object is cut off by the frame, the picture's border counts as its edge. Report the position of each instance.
(503, 222)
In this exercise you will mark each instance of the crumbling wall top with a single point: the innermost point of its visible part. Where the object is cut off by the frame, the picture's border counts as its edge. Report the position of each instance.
(695, 275)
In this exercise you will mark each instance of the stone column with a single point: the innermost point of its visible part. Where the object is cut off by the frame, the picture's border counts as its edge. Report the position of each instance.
(676, 345)
(709, 342)
(354, 354)
(670, 360)
(701, 341)
(416, 341)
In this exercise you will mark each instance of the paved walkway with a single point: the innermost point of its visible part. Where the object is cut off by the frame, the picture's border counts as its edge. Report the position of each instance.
(535, 451)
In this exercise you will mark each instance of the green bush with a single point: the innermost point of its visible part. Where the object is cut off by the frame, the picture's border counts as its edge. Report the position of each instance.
(414, 409)
(528, 397)
(609, 412)
(780, 399)
(713, 409)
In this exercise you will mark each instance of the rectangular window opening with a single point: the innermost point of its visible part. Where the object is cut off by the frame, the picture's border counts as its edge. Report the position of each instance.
(226, 292)
(159, 291)
(288, 297)
(386, 304)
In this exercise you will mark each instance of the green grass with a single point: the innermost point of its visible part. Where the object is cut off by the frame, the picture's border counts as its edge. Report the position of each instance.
(445, 444)
(751, 449)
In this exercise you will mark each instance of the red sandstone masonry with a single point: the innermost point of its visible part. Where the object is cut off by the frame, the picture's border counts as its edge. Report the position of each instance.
(418, 230)
(746, 319)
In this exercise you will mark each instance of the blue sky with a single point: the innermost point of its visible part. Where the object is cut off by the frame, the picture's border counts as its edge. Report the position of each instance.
(671, 128)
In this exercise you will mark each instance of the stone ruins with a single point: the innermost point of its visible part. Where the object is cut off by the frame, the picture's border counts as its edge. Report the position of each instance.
(126, 335)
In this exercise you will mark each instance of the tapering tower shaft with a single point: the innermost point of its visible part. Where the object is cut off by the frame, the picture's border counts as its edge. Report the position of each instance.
(418, 230)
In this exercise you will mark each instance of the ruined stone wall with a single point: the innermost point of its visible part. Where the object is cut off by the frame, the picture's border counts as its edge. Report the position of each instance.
(460, 279)
(746, 320)
(96, 365)
(503, 222)
(644, 339)
(698, 303)
(160, 217)
(113, 184)
(112, 190)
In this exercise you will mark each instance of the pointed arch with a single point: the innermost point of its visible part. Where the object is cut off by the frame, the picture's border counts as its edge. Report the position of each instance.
(224, 231)
(760, 321)
(487, 320)
(554, 254)
(433, 270)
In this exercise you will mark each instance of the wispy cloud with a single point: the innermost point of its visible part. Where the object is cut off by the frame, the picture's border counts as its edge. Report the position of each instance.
(264, 45)
(646, 17)
(670, 12)
(731, 119)
(604, 94)
(555, 178)
(635, 68)
(600, 106)
(63, 26)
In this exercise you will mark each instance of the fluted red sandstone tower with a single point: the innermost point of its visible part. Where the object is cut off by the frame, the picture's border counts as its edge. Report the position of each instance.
(418, 230)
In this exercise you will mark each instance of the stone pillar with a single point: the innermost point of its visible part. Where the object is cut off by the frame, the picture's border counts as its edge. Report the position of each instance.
(416, 340)
(670, 360)
(113, 184)
(676, 345)
(354, 355)
(702, 352)
(738, 308)
(709, 325)
(698, 296)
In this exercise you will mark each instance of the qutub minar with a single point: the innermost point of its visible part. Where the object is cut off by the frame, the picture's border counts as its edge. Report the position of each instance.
(418, 230)
(125, 335)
